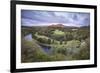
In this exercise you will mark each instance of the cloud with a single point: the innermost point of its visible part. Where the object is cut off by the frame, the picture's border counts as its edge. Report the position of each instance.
(33, 17)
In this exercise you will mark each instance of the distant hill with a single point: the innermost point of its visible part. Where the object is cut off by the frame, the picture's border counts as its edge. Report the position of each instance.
(60, 26)
(56, 25)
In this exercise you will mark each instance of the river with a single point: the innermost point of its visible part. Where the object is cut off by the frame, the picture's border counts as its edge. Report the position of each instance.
(46, 49)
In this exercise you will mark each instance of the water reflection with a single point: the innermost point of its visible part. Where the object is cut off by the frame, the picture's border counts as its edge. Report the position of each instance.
(28, 37)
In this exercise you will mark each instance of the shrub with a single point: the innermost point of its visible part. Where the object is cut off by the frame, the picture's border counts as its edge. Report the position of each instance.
(84, 52)
(58, 57)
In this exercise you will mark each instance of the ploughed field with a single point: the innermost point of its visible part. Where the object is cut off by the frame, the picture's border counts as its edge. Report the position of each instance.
(42, 44)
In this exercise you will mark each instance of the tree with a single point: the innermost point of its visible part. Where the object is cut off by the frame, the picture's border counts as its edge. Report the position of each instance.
(61, 42)
(49, 41)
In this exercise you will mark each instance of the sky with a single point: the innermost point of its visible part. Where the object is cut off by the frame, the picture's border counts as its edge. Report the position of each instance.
(45, 18)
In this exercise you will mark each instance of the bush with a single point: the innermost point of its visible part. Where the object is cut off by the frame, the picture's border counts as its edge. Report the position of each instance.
(73, 44)
(84, 52)
(58, 57)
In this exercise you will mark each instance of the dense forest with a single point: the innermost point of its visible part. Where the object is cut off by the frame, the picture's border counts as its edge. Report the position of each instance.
(55, 43)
